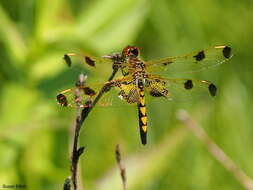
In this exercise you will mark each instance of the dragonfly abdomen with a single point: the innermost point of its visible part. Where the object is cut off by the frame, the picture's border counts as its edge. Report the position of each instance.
(142, 116)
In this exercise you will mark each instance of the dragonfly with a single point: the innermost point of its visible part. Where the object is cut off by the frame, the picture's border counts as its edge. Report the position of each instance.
(138, 80)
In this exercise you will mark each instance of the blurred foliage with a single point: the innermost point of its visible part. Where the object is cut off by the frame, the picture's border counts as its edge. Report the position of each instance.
(36, 132)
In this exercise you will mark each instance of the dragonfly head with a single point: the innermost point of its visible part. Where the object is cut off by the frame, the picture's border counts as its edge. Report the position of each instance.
(130, 51)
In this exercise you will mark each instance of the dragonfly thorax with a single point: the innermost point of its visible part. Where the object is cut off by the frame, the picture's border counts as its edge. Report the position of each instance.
(134, 64)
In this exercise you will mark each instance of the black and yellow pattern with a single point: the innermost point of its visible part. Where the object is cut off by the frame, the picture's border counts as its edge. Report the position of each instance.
(142, 117)
(138, 75)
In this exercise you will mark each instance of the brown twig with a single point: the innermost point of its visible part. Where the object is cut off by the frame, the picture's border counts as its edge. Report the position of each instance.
(76, 152)
(82, 114)
(216, 151)
(121, 167)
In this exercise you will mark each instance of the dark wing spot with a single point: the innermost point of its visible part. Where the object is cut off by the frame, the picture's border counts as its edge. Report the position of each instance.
(188, 85)
(88, 91)
(89, 61)
(67, 60)
(212, 89)
(226, 52)
(200, 56)
(167, 63)
(62, 100)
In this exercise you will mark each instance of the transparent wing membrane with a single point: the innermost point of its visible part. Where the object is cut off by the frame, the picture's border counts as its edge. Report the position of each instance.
(119, 93)
(124, 89)
(180, 89)
(193, 62)
(93, 61)
(67, 98)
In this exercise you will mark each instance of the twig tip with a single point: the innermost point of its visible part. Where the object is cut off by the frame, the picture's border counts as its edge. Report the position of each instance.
(182, 115)
(67, 185)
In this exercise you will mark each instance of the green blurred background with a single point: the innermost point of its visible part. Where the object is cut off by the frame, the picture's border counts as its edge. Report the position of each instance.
(35, 132)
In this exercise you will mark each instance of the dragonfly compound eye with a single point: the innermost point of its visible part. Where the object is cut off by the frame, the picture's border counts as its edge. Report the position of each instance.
(131, 51)
(134, 51)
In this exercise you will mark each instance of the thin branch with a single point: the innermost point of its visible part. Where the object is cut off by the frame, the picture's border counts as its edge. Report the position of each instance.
(121, 167)
(76, 152)
(216, 151)
(82, 114)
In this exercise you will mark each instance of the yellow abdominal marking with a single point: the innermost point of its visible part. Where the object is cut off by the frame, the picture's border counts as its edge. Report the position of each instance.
(144, 120)
(143, 110)
(142, 93)
(142, 101)
(144, 128)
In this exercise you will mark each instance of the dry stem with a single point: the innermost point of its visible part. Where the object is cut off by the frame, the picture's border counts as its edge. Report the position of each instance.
(121, 167)
(216, 151)
(82, 114)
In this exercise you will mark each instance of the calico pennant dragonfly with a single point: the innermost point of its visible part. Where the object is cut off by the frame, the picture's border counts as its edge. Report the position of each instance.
(138, 79)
